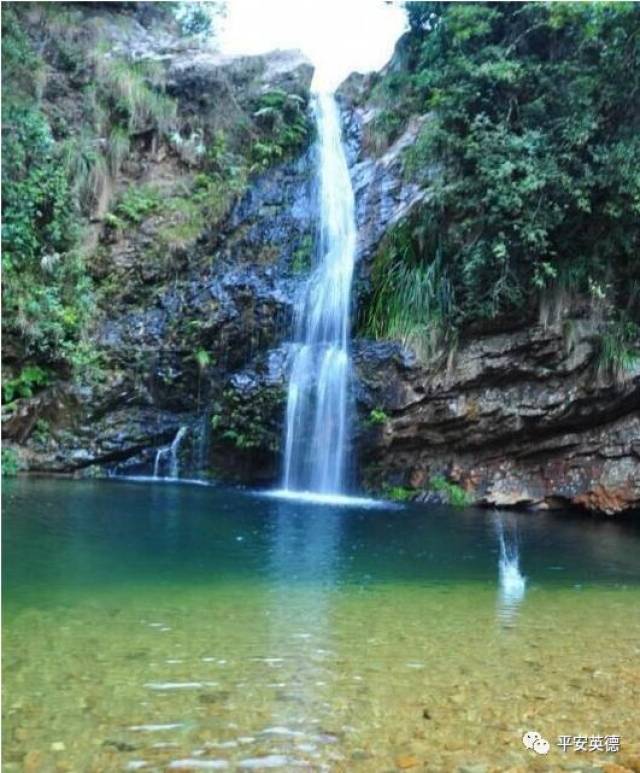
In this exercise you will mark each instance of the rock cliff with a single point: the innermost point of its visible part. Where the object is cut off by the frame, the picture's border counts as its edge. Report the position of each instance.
(195, 272)
(196, 276)
(519, 416)
(514, 419)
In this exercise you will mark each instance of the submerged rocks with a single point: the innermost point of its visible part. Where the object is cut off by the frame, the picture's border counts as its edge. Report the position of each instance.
(406, 761)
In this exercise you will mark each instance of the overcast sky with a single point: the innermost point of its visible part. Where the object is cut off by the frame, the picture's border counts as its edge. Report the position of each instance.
(339, 36)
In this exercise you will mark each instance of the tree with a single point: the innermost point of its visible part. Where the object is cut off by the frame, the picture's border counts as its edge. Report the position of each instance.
(534, 122)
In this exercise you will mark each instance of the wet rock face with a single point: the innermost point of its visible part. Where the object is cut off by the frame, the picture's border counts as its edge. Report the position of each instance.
(514, 419)
(247, 421)
(193, 335)
(383, 196)
(192, 330)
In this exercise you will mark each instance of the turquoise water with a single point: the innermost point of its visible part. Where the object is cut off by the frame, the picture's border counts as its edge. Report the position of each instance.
(155, 625)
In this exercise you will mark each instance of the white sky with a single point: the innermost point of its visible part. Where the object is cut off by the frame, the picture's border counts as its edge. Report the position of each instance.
(339, 36)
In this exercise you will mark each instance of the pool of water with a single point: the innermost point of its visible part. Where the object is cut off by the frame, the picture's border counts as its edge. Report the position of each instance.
(159, 627)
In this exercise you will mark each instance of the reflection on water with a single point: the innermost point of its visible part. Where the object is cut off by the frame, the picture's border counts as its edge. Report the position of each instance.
(302, 554)
(160, 626)
(512, 583)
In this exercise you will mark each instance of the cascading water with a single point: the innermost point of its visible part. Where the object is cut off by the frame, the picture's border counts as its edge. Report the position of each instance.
(317, 421)
(168, 456)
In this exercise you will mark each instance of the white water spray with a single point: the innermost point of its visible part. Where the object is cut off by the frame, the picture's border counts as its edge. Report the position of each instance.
(512, 582)
(169, 456)
(317, 422)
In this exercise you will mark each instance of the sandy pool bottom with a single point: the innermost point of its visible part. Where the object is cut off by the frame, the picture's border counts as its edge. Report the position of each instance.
(392, 677)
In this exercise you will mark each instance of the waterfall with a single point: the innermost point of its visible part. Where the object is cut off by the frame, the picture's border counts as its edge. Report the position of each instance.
(317, 419)
(512, 582)
(201, 443)
(169, 455)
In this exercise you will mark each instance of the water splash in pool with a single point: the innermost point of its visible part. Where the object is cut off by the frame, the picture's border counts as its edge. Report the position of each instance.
(512, 582)
(317, 423)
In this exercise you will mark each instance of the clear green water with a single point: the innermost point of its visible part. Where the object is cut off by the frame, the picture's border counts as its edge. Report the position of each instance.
(145, 624)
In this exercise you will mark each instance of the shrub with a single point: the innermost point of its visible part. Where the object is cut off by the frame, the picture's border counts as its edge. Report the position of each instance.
(398, 493)
(454, 493)
(619, 348)
(136, 204)
(30, 379)
(10, 463)
(377, 416)
(411, 300)
(284, 128)
(530, 151)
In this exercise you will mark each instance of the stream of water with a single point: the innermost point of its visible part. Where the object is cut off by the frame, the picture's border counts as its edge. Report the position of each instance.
(167, 458)
(317, 420)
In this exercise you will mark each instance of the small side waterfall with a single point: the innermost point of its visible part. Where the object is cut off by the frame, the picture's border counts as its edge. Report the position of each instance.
(167, 457)
(512, 582)
(317, 420)
(201, 443)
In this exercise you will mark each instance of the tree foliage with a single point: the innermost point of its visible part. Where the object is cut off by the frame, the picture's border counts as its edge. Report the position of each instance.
(532, 137)
(198, 18)
(54, 171)
(45, 291)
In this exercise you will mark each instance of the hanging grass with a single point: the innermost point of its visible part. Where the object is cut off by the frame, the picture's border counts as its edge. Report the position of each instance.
(412, 300)
(619, 349)
(131, 88)
(85, 168)
(118, 148)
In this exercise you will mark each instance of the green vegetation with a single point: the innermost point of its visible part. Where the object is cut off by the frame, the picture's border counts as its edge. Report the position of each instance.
(54, 173)
(249, 424)
(383, 129)
(222, 181)
(377, 416)
(46, 293)
(198, 18)
(131, 95)
(62, 155)
(531, 151)
(203, 358)
(136, 204)
(28, 381)
(618, 353)
(412, 298)
(284, 128)
(10, 463)
(303, 255)
(454, 493)
(186, 212)
(41, 431)
(398, 493)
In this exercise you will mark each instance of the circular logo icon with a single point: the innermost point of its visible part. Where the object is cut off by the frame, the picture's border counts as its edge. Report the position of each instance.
(528, 739)
(541, 746)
